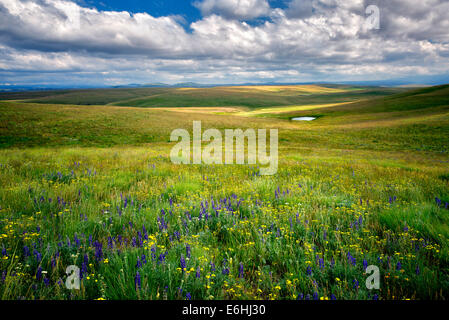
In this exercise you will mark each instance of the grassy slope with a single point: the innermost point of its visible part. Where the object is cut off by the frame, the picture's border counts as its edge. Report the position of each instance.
(378, 124)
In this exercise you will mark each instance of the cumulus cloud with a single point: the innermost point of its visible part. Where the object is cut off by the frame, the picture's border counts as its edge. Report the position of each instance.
(234, 9)
(323, 40)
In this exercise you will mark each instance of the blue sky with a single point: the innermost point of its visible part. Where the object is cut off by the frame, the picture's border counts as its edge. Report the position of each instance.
(111, 42)
(156, 8)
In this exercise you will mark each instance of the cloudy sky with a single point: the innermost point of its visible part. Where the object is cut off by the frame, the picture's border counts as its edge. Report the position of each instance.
(112, 42)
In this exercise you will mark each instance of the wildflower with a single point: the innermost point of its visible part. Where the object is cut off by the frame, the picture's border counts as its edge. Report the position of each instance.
(241, 270)
(365, 264)
(188, 296)
(188, 251)
(309, 271)
(183, 262)
(398, 266)
(39, 273)
(137, 280)
(198, 272)
(417, 270)
(321, 261)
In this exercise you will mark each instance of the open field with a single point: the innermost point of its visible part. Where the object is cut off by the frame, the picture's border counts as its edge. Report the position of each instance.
(86, 179)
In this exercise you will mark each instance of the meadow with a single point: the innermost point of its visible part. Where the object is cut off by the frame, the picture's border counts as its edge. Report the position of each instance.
(86, 180)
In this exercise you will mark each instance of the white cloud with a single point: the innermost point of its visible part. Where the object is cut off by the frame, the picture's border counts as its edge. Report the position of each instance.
(329, 42)
(234, 9)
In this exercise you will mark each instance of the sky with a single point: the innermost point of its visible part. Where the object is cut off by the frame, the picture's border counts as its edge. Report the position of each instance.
(112, 42)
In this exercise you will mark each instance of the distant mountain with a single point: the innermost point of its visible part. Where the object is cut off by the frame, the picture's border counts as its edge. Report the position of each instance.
(416, 81)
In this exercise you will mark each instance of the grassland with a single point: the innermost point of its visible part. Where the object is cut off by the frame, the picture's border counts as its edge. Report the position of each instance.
(238, 96)
(86, 180)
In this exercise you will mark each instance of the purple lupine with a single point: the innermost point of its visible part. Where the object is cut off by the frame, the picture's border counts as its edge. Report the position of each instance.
(83, 269)
(138, 264)
(198, 272)
(137, 280)
(39, 273)
(351, 259)
(153, 252)
(162, 257)
(37, 255)
(309, 271)
(188, 296)
(355, 284)
(188, 251)
(110, 243)
(212, 267)
(98, 250)
(241, 270)
(417, 271)
(183, 262)
(398, 266)
(365, 264)
(321, 263)
(143, 259)
(438, 201)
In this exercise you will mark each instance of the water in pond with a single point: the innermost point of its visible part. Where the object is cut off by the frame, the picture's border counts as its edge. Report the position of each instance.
(304, 119)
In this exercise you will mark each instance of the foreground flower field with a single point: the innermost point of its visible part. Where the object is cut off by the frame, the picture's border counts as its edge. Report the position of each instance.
(223, 232)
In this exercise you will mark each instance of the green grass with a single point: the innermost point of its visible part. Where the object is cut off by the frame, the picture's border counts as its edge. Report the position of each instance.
(365, 184)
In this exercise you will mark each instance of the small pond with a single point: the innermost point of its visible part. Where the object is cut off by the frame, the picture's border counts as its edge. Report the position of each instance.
(304, 119)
